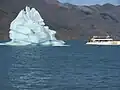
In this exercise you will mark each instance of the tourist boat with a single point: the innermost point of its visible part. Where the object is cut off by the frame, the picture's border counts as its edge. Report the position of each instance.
(102, 40)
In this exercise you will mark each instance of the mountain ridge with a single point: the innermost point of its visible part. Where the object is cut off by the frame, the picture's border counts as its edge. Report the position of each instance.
(70, 21)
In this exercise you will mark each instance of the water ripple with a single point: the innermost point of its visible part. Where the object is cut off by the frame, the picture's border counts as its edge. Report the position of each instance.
(65, 69)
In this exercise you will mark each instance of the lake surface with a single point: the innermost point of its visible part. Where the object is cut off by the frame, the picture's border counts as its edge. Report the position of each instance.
(78, 67)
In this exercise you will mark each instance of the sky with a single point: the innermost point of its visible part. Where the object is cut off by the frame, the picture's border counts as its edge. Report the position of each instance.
(90, 2)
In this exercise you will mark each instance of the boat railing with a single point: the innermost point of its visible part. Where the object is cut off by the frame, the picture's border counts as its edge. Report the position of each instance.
(101, 37)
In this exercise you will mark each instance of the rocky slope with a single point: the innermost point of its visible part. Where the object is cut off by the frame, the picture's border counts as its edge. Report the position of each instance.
(70, 21)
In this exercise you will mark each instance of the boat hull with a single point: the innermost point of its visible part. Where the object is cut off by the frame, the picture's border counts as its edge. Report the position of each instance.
(104, 43)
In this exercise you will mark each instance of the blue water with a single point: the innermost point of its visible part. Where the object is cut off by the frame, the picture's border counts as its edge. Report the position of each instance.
(78, 67)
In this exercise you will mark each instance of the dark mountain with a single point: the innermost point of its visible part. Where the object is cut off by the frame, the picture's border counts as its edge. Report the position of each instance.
(70, 21)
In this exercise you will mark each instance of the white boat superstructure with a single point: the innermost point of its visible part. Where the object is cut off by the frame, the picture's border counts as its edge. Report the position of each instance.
(102, 40)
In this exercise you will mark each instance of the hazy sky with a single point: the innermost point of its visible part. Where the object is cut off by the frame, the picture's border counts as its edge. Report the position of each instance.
(89, 2)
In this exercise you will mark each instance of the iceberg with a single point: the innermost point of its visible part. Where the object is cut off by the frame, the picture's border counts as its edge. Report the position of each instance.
(29, 28)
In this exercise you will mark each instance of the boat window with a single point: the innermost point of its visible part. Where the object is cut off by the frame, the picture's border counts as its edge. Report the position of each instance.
(102, 40)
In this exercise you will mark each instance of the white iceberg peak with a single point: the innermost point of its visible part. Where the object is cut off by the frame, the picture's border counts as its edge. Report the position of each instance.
(29, 28)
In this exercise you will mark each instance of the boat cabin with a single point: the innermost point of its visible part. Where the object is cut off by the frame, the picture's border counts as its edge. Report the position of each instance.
(100, 39)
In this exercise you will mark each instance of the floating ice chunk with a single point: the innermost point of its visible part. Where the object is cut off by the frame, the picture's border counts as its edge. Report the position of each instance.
(29, 28)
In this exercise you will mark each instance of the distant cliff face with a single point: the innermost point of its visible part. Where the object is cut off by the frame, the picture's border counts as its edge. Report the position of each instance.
(70, 21)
